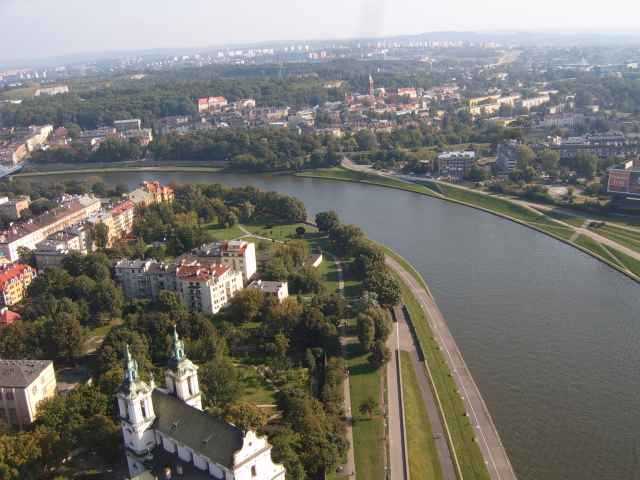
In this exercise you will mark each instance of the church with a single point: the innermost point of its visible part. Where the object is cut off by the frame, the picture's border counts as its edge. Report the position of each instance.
(168, 436)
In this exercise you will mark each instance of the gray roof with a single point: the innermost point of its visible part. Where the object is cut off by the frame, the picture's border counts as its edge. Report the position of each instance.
(209, 436)
(21, 373)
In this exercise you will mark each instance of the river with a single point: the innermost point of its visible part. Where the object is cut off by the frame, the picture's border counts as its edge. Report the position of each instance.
(551, 335)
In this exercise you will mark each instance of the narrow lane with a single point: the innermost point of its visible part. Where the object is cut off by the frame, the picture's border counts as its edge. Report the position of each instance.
(493, 451)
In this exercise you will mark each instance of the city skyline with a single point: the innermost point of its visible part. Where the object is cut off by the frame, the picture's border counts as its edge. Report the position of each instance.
(191, 24)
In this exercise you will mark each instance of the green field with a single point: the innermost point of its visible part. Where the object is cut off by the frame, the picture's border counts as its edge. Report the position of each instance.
(221, 233)
(339, 173)
(255, 388)
(423, 456)
(631, 263)
(595, 247)
(627, 238)
(368, 433)
(463, 435)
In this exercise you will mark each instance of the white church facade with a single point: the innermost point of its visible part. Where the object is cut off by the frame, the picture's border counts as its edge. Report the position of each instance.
(168, 436)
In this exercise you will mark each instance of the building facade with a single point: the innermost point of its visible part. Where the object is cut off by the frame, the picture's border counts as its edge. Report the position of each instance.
(23, 385)
(277, 290)
(236, 254)
(166, 431)
(15, 279)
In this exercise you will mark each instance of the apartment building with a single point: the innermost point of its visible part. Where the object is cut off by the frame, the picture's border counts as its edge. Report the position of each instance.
(277, 290)
(456, 164)
(207, 288)
(211, 104)
(51, 252)
(130, 124)
(118, 220)
(28, 234)
(236, 254)
(11, 209)
(51, 91)
(15, 279)
(152, 192)
(24, 384)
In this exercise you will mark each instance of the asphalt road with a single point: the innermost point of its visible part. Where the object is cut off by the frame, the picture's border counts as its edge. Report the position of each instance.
(493, 451)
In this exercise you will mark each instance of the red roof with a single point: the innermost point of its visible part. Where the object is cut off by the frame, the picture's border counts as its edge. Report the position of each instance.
(10, 272)
(200, 273)
(7, 317)
(122, 207)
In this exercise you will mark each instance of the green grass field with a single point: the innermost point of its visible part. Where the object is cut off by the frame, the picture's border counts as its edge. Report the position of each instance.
(462, 432)
(631, 263)
(221, 233)
(423, 456)
(255, 389)
(368, 433)
(595, 247)
(624, 237)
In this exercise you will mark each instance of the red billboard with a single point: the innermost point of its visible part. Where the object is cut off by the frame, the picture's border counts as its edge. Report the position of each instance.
(619, 182)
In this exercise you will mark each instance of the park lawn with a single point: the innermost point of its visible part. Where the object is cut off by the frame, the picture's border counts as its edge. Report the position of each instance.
(221, 233)
(630, 240)
(423, 456)
(576, 221)
(595, 247)
(368, 433)
(329, 274)
(563, 232)
(462, 432)
(255, 388)
(498, 205)
(278, 232)
(343, 174)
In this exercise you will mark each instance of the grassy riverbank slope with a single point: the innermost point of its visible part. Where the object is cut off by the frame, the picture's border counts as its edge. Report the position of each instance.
(559, 226)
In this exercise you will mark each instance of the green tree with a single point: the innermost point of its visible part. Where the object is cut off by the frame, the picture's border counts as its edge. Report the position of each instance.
(246, 416)
(101, 235)
(368, 407)
(219, 382)
(366, 332)
(380, 354)
(326, 221)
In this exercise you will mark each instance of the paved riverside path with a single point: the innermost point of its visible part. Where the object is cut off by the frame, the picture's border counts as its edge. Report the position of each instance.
(493, 451)
(408, 344)
(398, 449)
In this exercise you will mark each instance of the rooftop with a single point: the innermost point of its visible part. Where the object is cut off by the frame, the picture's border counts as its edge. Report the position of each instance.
(11, 271)
(21, 373)
(209, 436)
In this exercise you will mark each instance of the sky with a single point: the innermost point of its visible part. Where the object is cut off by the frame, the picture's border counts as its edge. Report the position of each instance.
(45, 28)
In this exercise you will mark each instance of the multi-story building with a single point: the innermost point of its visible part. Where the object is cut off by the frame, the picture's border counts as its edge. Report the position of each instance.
(456, 164)
(207, 288)
(37, 136)
(24, 384)
(408, 92)
(118, 220)
(603, 145)
(11, 209)
(534, 102)
(202, 287)
(277, 290)
(152, 192)
(15, 279)
(508, 155)
(51, 252)
(166, 426)
(28, 234)
(13, 153)
(51, 91)
(236, 254)
(130, 124)
(211, 104)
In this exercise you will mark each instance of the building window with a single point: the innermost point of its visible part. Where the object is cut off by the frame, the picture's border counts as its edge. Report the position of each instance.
(9, 395)
(190, 385)
(143, 407)
(253, 471)
(13, 416)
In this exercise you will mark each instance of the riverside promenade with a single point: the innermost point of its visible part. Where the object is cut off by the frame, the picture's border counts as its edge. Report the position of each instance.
(493, 451)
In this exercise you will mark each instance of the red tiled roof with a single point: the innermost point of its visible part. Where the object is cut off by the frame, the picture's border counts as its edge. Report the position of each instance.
(10, 272)
(122, 207)
(7, 317)
(200, 273)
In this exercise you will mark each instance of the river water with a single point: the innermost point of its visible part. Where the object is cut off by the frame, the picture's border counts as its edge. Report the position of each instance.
(551, 335)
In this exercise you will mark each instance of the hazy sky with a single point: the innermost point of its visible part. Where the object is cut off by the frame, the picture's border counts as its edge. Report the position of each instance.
(42, 28)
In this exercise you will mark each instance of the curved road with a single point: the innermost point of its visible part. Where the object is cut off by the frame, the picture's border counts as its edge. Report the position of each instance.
(493, 451)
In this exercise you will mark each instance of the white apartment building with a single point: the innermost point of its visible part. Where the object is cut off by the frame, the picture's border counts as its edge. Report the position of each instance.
(207, 288)
(23, 385)
(28, 234)
(236, 254)
(277, 290)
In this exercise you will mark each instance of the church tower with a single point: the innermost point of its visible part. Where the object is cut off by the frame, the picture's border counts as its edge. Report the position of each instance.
(182, 375)
(136, 416)
(371, 89)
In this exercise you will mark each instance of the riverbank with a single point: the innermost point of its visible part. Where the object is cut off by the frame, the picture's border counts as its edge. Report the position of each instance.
(549, 225)
(121, 169)
(473, 439)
